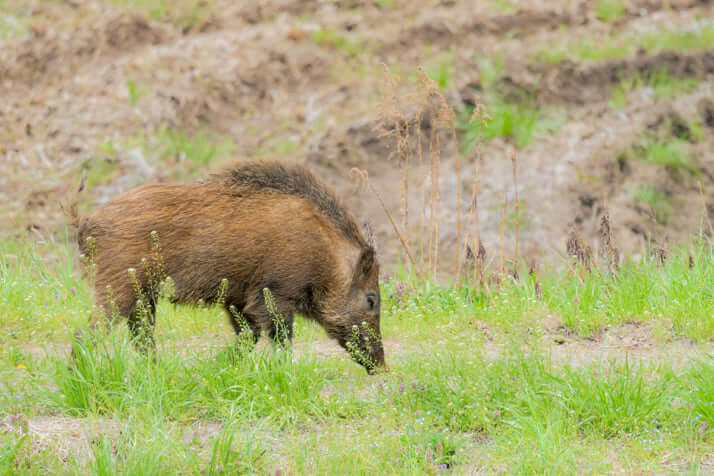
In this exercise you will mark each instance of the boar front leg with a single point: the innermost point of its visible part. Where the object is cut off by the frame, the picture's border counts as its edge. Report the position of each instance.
(278, 325)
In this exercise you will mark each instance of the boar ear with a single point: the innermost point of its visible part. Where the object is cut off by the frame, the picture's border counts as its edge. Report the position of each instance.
(365, 263)
(369, 235)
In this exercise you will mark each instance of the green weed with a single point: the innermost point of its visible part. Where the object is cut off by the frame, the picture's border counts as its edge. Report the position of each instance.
(135, 92)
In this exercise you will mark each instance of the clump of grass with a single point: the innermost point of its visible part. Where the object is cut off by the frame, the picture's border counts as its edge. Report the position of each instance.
(702, 376)
(442, 72)
(184, 14)
(519, 122)
(504, 6)
(41, 295)
(200, 148)
(587, 49)
(658, 202)
(668, 153)
(11, 24)
(664, 85)
(625, 45)
(490, 69)
(8, 453)
(135, 92)
(329, 38)
(698, 38)
(668, 86)
(610, 10)
(197, 149)
(638, 291)
(101, 170)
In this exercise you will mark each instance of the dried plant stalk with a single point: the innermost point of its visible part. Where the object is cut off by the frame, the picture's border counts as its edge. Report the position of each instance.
(578, 251)
(608, 251)
(705, 212)
(457, 269)
(481, 115)
(501, 233)
(431, 200)
(405, 179)
(514, 162)
(422, 219)
(437, 199)
(363, 178)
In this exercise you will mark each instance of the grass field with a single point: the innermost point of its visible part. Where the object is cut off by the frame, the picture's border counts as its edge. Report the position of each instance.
(524, 382)
(573, 138)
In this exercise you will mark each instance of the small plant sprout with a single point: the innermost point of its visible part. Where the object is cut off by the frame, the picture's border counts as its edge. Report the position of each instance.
(356, 345)
(282, 332)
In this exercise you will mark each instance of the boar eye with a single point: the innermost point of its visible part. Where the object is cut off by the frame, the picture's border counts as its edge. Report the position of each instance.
(372, 300)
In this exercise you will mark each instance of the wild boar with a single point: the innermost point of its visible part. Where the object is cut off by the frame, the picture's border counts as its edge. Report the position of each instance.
(256, 224)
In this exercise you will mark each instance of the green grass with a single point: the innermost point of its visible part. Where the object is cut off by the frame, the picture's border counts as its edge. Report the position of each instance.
(668, 86)
(663, 84)
(620, 46)
(665, 153)
(518, 122)
(659, 203)
(442, 73)
(195, 149)
(454, 400)
(11, 23)
(183, 13)
(135, 92)
(329, 38)
(610, 10)
(490, 70)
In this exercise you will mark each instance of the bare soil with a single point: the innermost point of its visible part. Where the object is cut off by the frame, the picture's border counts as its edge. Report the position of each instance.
(254, 75)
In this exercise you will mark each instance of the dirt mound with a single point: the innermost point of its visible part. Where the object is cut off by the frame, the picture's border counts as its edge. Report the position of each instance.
(47, 52)
(576, 83)
(653, 203)
(449, 25)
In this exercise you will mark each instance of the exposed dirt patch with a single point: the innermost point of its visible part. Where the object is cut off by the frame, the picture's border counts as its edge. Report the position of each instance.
(47, 52)
(71, 439)
(446, 26)
(257, 76)
(633, 341)
(582, 83)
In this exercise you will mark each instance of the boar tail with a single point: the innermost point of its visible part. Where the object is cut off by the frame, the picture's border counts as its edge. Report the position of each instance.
(71, 210)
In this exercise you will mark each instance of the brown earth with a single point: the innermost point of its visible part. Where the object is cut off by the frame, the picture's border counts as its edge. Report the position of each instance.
(255, 76)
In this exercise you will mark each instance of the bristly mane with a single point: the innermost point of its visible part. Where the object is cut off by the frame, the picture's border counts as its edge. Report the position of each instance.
(297, 180)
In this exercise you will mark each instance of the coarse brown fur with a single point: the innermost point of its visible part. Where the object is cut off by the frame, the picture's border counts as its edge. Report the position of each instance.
(258, 224)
